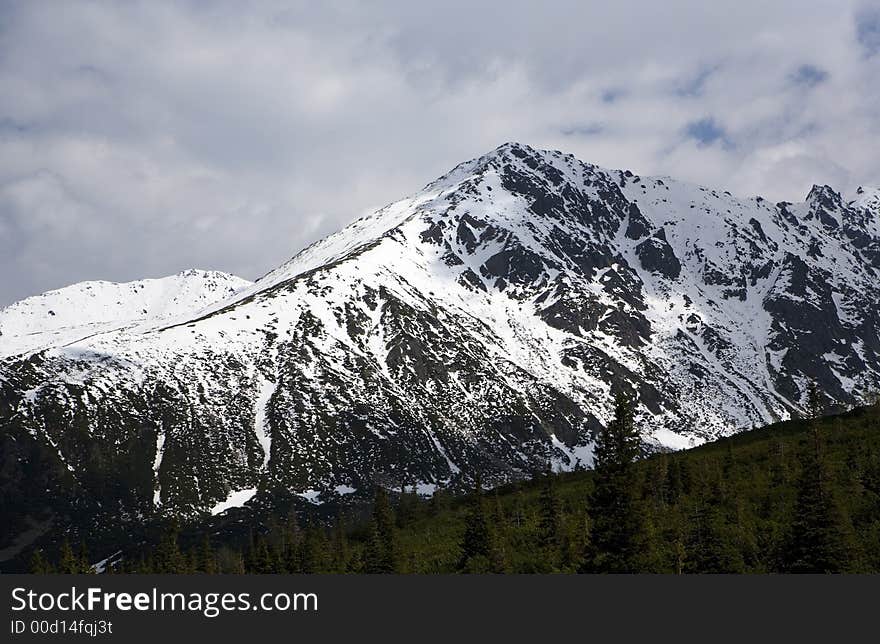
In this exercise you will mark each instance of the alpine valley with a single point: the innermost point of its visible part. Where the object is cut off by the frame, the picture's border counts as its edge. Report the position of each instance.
(479, 325)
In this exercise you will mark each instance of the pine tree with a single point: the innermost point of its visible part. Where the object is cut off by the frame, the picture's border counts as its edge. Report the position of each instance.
(207, 561)
(408, 507)
(714, 537)
(341, 554)
(168, 558)
(675, 537)
(519, 508)
(85, 568)
(230, 561)
(374, 562)
(778, 468)
(476, 545)
(385, 526)
(379, 555)
(674, 480)
(144, 565)
(39, 563)
(291, 558)
(191, 561)
(263, 563)
(439, 502)
(581, 544)
(658, 481)
(499, 556)
(68, 563)
(819, 537)
(250, 552)
(315, 551)
(551, 537)
(619, 539)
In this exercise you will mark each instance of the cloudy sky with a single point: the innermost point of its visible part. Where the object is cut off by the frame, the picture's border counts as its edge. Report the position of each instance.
(142, 138)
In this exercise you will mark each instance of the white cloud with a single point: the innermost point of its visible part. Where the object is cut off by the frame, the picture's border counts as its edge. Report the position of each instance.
(146, 137)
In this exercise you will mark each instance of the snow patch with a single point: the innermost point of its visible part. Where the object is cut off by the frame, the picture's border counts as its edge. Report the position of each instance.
(236, 499)
(261, 425)
(311, 496)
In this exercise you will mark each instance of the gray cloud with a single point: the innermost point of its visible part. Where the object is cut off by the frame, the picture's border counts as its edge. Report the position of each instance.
(141, 138)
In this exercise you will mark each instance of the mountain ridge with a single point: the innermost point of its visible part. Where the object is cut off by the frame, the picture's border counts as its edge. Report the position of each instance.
(477, 325)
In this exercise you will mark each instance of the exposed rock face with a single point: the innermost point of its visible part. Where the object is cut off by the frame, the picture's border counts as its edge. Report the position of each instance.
(477, 325)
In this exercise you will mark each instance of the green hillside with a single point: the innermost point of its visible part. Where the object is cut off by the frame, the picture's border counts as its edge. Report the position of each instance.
(735, 505)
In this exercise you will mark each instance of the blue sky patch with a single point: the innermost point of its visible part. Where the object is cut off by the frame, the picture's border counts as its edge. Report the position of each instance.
(809, 76)
(868, 30)
(705, 131)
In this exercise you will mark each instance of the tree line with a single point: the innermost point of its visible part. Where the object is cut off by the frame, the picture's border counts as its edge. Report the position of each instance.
(800, 496)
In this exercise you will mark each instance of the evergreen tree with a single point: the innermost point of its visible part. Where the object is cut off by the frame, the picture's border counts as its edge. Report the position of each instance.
(439, 502)
(341, 554)
(263, 563)
(619, 538)
(68, 564)
(384, 516)
(676, 539)
(476, 545)
(250, 552)
(499, 556)
(230, 561)
(207, 562)
(291, 554)
(39, 563)
(519, 508)
(657, 483)
(714, 544)
(316, 556)
(819, 537)
(551, 537)
(374, 561)
(581, 545)
(191, 562)
(380, 556)
(168, 557)
(674, 480)
(85, 568)
(408, 507)
(144, 565)
(778, 466)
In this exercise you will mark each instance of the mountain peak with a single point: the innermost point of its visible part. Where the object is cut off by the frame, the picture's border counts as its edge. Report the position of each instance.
(509, 146)
(825, 196)
(478, 325)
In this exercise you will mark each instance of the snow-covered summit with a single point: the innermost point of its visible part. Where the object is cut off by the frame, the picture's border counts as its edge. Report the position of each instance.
(80, 310)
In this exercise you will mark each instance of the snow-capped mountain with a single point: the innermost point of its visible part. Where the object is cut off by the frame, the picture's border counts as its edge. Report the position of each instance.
(479, 324)
(74, 313)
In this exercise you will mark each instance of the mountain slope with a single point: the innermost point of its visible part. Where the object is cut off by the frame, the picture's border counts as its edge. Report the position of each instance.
(729, 506)
(477, 325)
